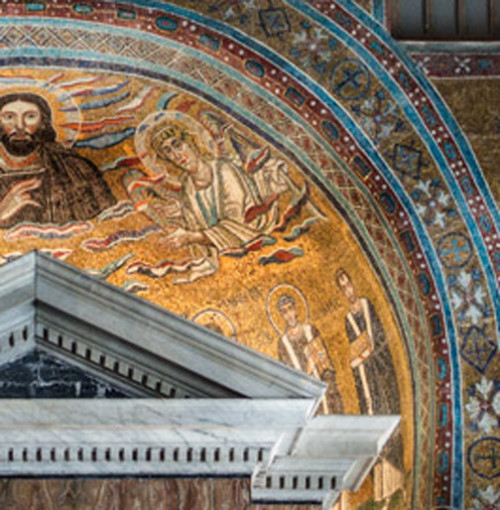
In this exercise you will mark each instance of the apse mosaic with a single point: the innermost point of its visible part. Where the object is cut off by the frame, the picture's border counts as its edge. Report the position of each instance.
(158, 192)
(280, 173)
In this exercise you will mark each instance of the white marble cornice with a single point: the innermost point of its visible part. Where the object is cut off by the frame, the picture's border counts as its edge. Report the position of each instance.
(231, 411)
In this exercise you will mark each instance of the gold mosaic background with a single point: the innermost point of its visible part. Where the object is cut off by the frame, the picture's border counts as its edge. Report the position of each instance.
(237, 293)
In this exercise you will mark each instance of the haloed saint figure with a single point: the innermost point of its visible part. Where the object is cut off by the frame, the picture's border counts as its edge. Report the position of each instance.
(302, 347)
(41, 181)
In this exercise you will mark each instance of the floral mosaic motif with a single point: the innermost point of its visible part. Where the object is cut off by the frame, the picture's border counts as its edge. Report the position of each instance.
(312, 46)
(462, 65)
(423, 64)
(437, 64)
(233, 10)
(487, 499)
(468, 296)
(483, 406)
(379, 117)
(433, 204)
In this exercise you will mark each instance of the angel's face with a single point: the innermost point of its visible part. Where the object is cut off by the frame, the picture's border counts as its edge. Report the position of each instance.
(181, 151)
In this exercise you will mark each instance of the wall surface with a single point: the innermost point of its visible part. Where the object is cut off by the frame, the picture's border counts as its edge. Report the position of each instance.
(284, 174)
(476, 105)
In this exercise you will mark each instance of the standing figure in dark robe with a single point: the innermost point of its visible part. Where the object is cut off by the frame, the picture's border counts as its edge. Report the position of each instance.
(371, 359)
(302, 347)
(40, 180)
(375, 378)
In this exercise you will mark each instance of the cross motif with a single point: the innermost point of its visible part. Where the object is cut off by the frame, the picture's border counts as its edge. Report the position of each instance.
(350, 79)
(484, 457)
(454, 250)
(493, 456)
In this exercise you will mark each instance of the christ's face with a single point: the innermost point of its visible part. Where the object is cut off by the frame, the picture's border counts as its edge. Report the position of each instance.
(19, 122)
(289, 313)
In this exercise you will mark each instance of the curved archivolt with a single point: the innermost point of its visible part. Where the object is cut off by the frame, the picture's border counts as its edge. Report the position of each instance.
(298, 151)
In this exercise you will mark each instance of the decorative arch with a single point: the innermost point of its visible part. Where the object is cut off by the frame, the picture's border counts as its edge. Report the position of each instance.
(358, 120)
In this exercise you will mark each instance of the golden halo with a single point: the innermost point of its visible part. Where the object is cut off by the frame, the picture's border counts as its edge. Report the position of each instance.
(157, 122)
(64, 109)
(216, 321)
(272, 299)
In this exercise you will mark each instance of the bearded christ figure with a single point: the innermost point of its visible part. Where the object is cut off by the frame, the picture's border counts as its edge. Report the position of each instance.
(40, 180)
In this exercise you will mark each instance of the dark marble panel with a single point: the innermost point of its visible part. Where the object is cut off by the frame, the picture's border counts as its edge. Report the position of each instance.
(125, 494)
(287, 507)
(38, 375)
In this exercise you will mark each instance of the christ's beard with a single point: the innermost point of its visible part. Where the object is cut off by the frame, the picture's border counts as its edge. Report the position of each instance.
(19, 147)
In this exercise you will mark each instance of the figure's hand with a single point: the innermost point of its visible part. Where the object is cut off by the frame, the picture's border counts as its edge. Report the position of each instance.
(310, 367)
(169, 208)
(181, 237)
(329, 375)
(18, 197)
(178, 238)
(275, 172)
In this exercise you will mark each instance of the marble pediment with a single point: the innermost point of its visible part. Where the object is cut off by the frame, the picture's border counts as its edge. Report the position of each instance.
(52, 307)
(98, 382)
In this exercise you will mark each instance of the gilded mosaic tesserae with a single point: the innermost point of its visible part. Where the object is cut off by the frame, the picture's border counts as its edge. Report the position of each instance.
(283, 173)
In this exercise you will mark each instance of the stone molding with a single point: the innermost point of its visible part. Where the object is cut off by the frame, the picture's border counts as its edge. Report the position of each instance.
(235, 411)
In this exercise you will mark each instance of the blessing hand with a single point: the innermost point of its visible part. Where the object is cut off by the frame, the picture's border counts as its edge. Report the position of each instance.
(18, 197)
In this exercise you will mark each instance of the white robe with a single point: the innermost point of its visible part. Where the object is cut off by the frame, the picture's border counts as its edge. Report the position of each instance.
(218, 211)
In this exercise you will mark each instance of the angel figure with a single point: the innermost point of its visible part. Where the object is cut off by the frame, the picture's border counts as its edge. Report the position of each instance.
(214, 206)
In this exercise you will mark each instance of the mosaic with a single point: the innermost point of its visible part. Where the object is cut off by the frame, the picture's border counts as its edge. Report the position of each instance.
(338, 193)
(154, 190)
